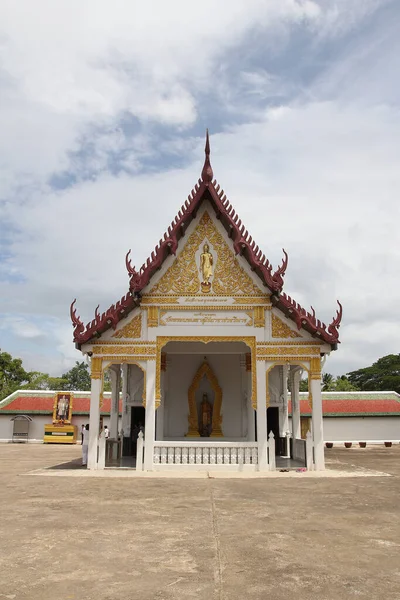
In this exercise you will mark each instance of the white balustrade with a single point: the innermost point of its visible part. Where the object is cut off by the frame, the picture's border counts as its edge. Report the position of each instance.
(309, 451)
(206, 454)
(271, 451)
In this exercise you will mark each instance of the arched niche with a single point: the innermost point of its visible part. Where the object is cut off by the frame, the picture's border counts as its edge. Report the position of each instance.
(205, 370)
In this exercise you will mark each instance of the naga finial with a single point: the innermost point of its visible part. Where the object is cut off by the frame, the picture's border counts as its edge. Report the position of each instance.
(207, 172)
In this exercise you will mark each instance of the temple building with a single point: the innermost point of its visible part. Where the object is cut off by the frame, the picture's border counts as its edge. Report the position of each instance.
(205, 348)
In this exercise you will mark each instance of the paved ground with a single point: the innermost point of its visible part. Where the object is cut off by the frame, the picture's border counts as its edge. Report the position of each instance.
(209, 539)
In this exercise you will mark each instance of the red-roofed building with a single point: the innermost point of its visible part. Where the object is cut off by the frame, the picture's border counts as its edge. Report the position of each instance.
(38, 405)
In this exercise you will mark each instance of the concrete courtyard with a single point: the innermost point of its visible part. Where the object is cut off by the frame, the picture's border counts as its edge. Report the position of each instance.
(130, 538)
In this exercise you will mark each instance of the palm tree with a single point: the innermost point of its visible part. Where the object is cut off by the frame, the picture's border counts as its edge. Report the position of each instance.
(328, 382)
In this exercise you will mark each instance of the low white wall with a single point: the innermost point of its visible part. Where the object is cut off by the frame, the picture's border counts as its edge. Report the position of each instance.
(361, 429)
(36, 427)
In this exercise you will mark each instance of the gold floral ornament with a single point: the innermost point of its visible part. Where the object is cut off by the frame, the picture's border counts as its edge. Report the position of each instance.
(133, 329)
(229, 277)
(281, 330)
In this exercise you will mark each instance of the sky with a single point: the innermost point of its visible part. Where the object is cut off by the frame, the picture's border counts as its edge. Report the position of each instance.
(103, 111)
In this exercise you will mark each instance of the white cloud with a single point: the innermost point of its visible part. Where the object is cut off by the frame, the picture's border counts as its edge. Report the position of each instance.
(318, 177)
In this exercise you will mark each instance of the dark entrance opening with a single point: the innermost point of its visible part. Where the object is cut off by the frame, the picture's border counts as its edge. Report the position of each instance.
(273, 425)
(138, 414)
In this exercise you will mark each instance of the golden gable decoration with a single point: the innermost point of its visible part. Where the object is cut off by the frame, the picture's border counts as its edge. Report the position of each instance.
(281, 330)
(229, 277)
(133, 329)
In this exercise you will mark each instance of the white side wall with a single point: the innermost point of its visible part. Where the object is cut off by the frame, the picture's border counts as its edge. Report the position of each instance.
(181, 370)
(36, 427)
(361, 429)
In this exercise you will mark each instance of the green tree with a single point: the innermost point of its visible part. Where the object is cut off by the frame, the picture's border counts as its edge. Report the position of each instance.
(384, 374)
(12, 374)
(342, 384)
(43, 381)
(303, 387)
(78, 378)
(328, 382)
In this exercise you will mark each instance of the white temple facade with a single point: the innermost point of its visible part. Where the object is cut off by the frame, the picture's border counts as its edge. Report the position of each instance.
(204, 349)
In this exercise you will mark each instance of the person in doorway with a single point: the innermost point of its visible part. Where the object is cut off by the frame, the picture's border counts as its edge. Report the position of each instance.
(106, 432)
(83, 431)
(85, 446)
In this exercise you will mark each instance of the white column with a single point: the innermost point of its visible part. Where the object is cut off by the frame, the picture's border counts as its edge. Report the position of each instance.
(115, 376)
(317, 428)
(125, 421)
(94, 422)
(251, 424)
(261, 416)
(295, 376)
(149, 431)
(284, 424)
(160, 410)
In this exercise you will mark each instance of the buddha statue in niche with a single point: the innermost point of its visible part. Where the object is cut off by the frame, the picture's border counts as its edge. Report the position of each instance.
(205, 417)
(206, 267)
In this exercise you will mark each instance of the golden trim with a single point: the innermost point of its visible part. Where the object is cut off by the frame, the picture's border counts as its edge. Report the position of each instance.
(285, 344)
(281, 329)
(96, 367)
(127, 359)
(315, 368)
(250, 341)
(133, 329)
(263, 300)
(193, 430)
(175, 298)
(268, 351)
(146, 300)
(259, 316)
(148, 349)
(205, 307)
(122, 343)
(152, 316)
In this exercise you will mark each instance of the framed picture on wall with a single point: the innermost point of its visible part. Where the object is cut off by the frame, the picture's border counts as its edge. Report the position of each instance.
(62, 408)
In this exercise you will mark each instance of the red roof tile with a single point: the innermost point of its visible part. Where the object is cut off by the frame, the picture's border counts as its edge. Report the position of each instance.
(355, 403)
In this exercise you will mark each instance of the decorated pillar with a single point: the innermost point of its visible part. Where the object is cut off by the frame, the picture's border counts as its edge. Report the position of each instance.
(115, 376)
(125, 415)
(262, 416)
(316, 402)
(251, 423)
(295, 376)
(149, 431)
(161, 410)
(94, 417)
(284, 414)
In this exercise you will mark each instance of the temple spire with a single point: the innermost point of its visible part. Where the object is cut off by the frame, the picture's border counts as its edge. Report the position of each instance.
(207, 172)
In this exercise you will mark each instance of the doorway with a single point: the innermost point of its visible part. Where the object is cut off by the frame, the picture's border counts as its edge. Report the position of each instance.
(138, 415)
(273, 425)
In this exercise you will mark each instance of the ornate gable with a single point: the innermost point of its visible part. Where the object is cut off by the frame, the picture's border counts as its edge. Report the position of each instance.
(228, 277)
(183, 277)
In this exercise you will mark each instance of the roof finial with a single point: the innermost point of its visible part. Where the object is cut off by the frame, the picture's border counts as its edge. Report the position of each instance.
(207, 172)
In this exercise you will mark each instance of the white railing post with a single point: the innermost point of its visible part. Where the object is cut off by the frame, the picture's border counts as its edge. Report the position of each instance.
(309, 451)
(101, 463)
(139, 452)
(287, 453)
(271, 451)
